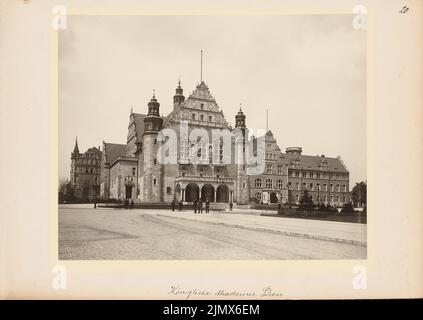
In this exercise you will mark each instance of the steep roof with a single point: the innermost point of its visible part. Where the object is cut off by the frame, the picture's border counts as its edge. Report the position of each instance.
(202, 92)
(94, 150)
(113, 151)
(315, 162)
(139, 124)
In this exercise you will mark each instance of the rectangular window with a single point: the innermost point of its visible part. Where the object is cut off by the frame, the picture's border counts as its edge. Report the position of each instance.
(325, 187)
(210, 118)
(154, 181)
(184, 149)
(269, 169)
(344, 188)
(311, 187)
(193, 116)
(133, 171)
(155, 161)
(331, 188)
(168, 190)
(318, 186)
(304, 186)
(298, 186)
(279, 169)
(202, 117)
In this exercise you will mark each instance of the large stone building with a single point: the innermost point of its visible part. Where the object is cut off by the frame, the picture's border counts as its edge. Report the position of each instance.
(85, 172)
(134, 170)
(287, 175)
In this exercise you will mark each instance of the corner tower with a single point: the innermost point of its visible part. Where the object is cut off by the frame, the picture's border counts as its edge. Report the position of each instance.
(152, 170)
(242, 180)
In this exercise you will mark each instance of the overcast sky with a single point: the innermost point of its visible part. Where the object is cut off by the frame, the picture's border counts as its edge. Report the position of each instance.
(309, 71)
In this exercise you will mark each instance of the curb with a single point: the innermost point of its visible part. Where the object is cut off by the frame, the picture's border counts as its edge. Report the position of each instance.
(288, 233)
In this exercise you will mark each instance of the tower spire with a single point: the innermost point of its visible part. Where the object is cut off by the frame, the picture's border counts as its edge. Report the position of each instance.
(76, 149)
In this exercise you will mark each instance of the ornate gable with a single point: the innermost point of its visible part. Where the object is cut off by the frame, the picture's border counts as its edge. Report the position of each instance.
(204, 107)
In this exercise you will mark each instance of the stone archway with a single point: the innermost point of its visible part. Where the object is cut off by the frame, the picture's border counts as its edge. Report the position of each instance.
(222, 193)
(207, 192)
(191, 192)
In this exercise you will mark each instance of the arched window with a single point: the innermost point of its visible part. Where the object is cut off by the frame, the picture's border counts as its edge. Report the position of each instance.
(269, 184)
(257, 183)
(279, 184)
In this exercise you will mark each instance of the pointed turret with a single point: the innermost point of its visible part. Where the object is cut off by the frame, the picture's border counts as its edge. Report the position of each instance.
(75, 152)
(240, 119)
(179, 97)
(153, 122)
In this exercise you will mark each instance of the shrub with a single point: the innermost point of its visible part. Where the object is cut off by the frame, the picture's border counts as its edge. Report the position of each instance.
(347, 208)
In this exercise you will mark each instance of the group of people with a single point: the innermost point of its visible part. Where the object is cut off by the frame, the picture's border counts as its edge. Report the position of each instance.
(197, 204)
(128, 204)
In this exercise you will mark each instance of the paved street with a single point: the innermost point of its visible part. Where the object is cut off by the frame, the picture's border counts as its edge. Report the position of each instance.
(87, 233)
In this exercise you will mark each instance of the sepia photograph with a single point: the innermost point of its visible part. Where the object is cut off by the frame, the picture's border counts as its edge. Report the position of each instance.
(212, 137)
(222, 151)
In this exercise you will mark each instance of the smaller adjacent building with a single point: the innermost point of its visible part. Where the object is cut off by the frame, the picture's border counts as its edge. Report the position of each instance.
(85, 173)
(288, 175)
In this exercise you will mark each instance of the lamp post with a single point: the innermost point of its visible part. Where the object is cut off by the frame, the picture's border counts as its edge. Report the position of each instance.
(289, 195)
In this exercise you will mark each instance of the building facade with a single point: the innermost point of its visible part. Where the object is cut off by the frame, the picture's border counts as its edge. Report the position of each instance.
(134, 171)
(85, 172)
(288, 175)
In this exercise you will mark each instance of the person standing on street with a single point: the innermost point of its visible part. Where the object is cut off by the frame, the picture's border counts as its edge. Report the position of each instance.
(200, 206)
(207, 205)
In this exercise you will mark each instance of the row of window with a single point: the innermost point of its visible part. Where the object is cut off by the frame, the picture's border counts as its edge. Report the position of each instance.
(268, 183)
(311, 186)
(87, 161)
(85, 170)
(186, 148)
(317, 175)
(271, 156)
(319, 187)
(318, 198)
(202, 117)
(269, 169)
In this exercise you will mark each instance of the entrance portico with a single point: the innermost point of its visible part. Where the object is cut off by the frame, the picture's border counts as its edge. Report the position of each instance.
(214, 189)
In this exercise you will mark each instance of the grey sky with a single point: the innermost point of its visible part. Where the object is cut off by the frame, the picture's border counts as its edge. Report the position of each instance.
(309, 71)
